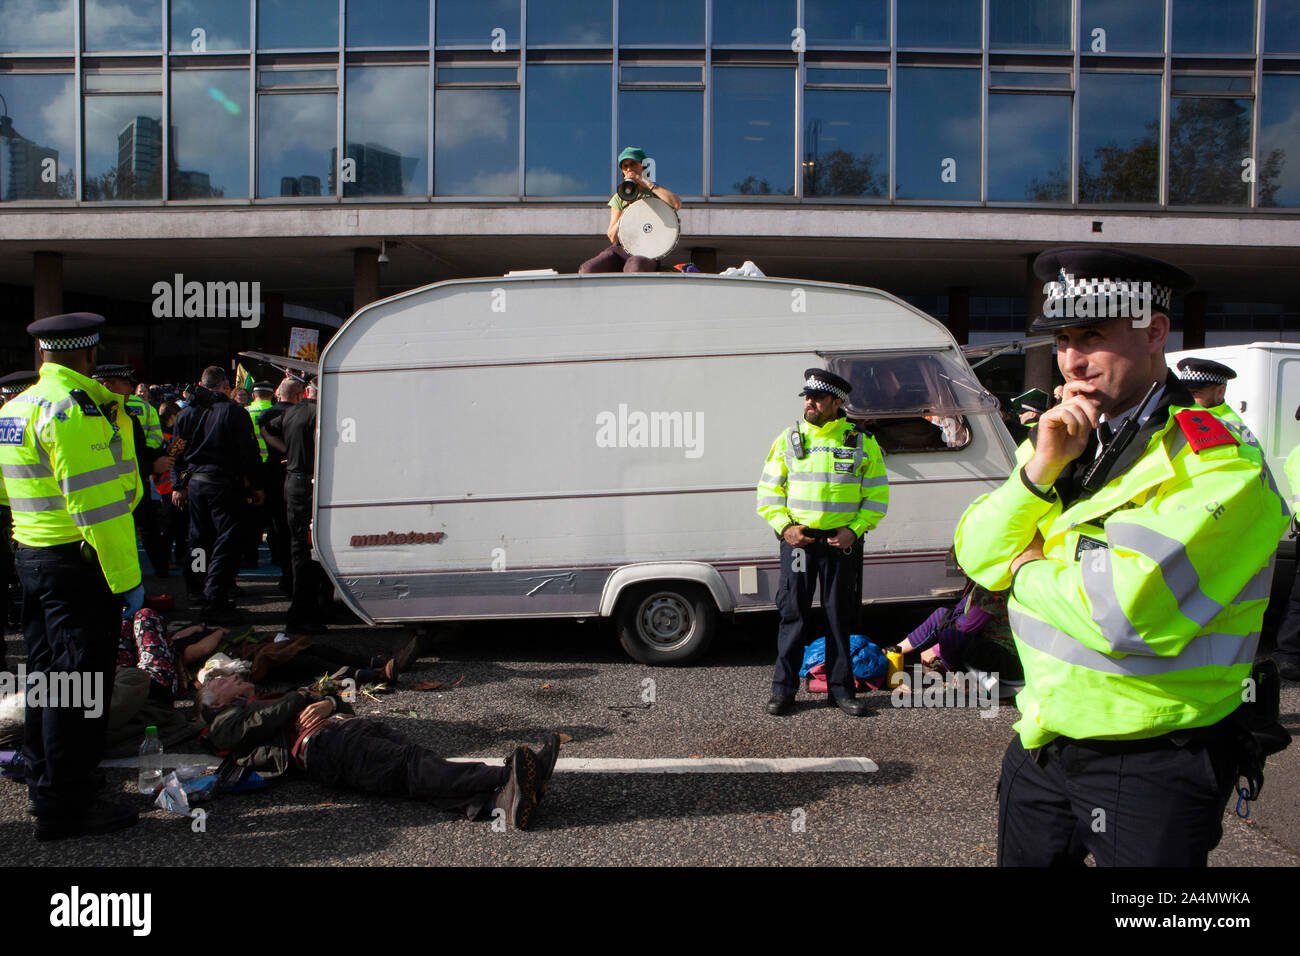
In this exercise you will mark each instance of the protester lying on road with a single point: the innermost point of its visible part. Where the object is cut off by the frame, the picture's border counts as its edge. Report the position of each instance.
(324, 740)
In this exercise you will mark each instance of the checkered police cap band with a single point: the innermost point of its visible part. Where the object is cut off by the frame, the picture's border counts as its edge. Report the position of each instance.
(69, 344)
(814, 384)
(1196, 377)
(1067, 286)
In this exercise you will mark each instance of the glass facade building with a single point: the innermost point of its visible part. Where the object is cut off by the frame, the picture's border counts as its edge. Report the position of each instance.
(1060, 103)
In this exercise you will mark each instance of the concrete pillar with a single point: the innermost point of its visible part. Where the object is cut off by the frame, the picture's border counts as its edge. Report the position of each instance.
(959, 313)
(705, 258)
(47, 284)
(365, 277)
(1194, 320)
(1038, 361)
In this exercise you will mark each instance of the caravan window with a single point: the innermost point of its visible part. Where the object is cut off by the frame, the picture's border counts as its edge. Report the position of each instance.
(913, 400)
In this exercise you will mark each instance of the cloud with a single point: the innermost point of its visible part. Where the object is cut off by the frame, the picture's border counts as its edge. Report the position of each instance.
(477, 116)
(547, 182)
(291, 122)
(37, 25)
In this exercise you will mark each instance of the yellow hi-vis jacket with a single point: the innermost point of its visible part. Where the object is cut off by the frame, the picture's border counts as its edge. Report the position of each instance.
(1145, 615)
(255, 410)
(69, 473)
(150, 423)
(1292, 471)
(839, 482)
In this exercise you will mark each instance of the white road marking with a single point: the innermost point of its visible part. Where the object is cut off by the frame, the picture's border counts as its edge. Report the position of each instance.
(612, 764)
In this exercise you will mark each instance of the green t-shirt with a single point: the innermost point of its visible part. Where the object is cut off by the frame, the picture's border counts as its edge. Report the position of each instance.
(617, 201)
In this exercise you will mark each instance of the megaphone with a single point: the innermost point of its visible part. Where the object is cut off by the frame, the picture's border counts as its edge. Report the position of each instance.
(628, 190)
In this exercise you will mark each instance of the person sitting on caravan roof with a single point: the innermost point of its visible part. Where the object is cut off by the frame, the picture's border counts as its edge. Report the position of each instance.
(631, 162)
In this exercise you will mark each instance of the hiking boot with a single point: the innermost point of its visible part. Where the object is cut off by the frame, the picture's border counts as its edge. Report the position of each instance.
(546, 758)
(407, 656)
(518, 797)
(99, 817)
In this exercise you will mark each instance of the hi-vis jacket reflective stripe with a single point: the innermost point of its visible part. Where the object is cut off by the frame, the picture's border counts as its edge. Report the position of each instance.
(66, 470)
(255, 410)
(1292, 471)
(835, 485)
(1145, 616)
(138, 408)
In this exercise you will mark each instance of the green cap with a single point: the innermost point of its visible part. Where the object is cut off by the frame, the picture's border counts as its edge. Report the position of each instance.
(632, 152)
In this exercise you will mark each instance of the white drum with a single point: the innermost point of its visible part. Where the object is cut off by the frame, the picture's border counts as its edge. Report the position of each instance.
(649, 227)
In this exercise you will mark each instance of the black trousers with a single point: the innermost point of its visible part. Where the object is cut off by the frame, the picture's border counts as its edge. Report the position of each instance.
(1288, 632)
(277, 524)
(72, 624)
(149, 528)
(312, 592)
(216, 510)
(840, 575)
(363, 754)
(1129, 803)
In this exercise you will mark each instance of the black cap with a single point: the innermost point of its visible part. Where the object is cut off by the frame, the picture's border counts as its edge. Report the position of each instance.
(820, 380)
(1087, 285)
(1195, 372)
(263, 387)
(67, 333)
(103, 372)
(16, 383)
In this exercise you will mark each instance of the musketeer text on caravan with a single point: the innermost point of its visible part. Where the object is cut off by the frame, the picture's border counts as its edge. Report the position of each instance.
(651, 430)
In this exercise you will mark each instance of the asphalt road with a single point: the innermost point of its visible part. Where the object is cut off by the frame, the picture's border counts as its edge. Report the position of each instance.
(931, 802)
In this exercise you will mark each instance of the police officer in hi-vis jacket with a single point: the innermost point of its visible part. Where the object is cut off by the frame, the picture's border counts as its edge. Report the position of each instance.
(1136, 536)
(823, 488)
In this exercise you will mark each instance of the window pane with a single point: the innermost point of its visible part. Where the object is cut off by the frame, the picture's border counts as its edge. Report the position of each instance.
(1119, 138)
(753, 132)
(669, 126)
(842, 77)
(297, 24)
(663, 74)
(1055, 81)
(1212, 84)
(269, 78)
(1029, 24)
(1279, 142)
(385, 130)
(846, 143)
(938, 122)
(123, 25)
(111, 82)
(476, 145)
(123, 147)
(846, 22)
(1130, 26)
(940, 23)
(37, 25)
(1281, 26)
(570, 22)
(1208, 139)
(388, 22)
(753, 24)
(39, 126)
(568, 131)
(471, 22)
(666, 22)
(209, 134)
(224, 25)
(295, 144)
(1029, 148)
(477, 75)
(1214, 26)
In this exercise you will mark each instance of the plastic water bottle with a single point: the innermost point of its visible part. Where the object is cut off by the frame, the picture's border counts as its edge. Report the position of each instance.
(151, 753)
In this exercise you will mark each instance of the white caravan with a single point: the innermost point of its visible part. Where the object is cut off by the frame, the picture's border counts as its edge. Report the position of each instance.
(589, 446)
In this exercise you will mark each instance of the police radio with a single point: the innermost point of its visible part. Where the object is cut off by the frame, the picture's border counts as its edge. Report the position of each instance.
(1095, 477)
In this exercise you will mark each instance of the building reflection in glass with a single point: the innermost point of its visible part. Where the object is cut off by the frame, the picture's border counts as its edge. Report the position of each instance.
(37, 121)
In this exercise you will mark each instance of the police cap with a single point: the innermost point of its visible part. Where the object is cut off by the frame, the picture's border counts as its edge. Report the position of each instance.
(819, 380)
(263, 387)
(15, 383)
(104, 372)
(1196, 372)
(1087, 285)
(66, 333)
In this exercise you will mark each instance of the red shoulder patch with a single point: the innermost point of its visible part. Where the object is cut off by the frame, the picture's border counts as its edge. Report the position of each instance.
(1203, 430)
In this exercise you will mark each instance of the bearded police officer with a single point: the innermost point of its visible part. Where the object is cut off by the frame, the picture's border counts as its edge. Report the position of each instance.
(823, 488)
(67, 476)
(1137, 537)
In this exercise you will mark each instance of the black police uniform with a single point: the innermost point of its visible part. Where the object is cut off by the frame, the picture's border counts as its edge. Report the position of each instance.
(312, 592)
(222, 462)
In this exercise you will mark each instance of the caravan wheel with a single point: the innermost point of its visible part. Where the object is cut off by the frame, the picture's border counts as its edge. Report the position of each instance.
(666, 623)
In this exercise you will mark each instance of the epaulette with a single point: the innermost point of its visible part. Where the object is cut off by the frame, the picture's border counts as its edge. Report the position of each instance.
(1203, 430)
(85, 403)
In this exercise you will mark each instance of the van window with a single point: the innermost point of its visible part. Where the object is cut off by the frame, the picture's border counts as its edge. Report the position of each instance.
(913, 400)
